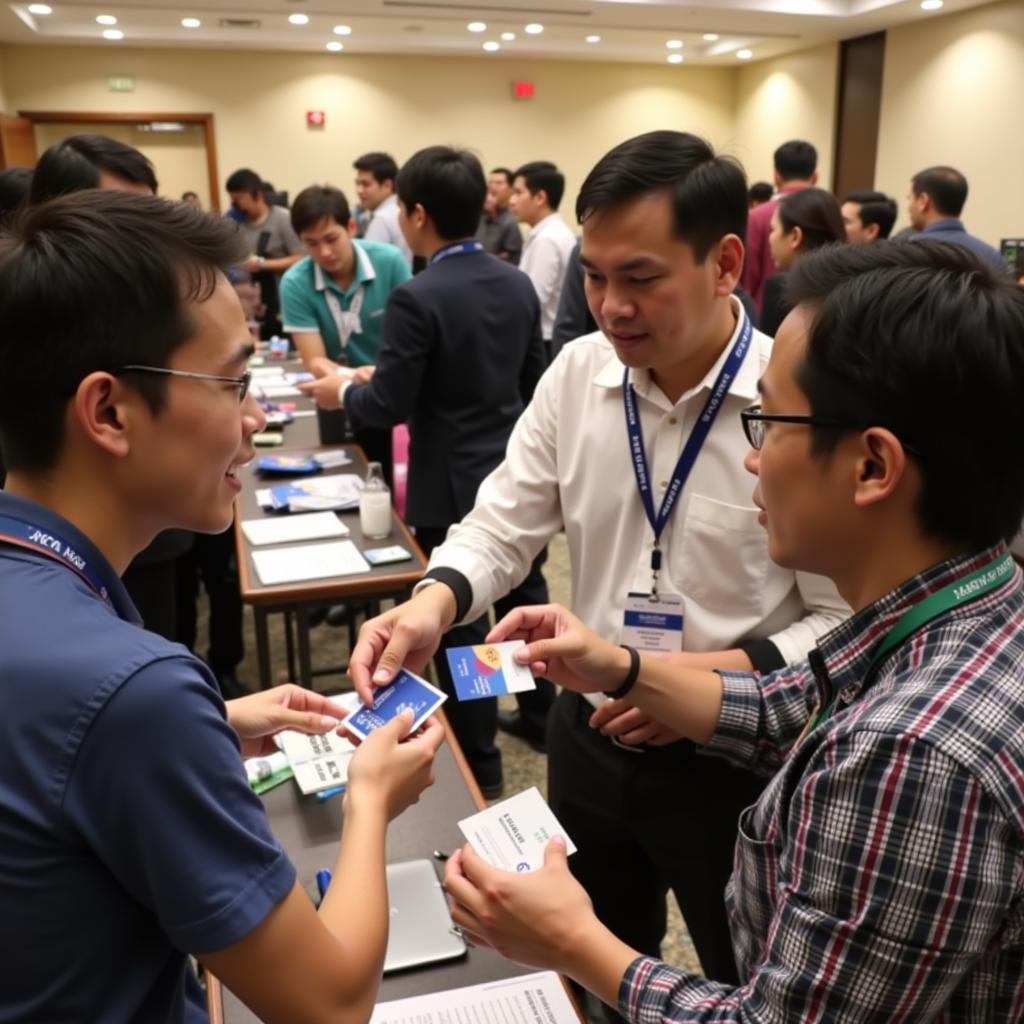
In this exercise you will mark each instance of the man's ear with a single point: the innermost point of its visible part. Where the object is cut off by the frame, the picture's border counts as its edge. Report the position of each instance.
(728, 256)
(814, 178)
(881, 466)
(104, 410)
(352, 227)
(871, 230)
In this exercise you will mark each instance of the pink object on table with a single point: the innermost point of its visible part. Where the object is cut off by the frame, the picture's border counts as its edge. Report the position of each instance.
(400, 457)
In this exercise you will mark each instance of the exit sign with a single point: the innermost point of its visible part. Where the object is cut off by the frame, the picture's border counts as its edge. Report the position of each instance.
(121, 83)
(522, 90)
(316, 118)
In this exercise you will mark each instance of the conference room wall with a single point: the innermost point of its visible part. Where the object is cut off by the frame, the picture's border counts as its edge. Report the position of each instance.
(952, 94)
(379, 102)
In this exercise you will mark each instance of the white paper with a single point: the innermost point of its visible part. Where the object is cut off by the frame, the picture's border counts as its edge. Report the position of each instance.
(280, 391)
(512, 835)
(332, 458)
(300, 413)
(287, 529)
(263, 498)
(308, 562)
(319, 762)
(531, 999)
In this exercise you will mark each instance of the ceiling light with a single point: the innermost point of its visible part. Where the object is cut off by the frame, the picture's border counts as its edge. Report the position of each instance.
(492, 47)
(744, 54)
(477, 26)
(113, 33)
(675, 58)
(508, 36)
(930, 5)
(298, 19)
(342, 30)
(675, 44)
(191, 23)
(335, 47)
(40, 9)
(710, 37)
(105, 19)
(593, 39)
(534, 29)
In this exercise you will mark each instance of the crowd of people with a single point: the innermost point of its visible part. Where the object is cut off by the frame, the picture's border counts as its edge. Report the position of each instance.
(790, 676)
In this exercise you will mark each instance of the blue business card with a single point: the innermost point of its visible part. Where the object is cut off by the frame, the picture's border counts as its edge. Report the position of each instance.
(488, 670)
(406, 691)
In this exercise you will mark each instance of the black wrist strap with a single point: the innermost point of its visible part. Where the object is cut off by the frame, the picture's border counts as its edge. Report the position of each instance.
(629, 682)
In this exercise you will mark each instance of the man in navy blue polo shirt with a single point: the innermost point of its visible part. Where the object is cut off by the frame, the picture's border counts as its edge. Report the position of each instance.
(128, 833)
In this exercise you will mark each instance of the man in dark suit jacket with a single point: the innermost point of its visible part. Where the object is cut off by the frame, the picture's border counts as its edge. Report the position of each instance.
(460, 355)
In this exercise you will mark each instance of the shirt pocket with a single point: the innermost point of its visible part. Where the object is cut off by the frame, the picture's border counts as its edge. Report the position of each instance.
(755, 872)
(722, 562)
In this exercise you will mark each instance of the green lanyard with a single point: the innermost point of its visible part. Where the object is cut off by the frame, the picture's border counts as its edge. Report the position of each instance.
(984, 580)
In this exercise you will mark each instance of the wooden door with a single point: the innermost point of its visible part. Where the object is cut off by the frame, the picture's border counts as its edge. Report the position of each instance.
(17, 142)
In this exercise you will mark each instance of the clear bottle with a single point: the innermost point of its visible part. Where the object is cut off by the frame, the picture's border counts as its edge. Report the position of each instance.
(375, 505)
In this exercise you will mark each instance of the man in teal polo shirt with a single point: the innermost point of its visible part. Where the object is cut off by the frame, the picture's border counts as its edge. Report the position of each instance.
(333, 300)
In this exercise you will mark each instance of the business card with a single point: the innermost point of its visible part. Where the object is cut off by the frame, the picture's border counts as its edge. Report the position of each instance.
(512, 834)
(406, 691)
(488, 670)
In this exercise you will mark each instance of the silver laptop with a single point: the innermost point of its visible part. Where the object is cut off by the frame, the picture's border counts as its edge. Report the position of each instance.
(421, 929)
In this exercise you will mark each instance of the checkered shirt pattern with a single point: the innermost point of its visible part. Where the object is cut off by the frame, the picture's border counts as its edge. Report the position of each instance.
(880, 877)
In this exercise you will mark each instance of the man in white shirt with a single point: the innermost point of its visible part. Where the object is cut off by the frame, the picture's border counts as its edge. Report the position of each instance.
(654, 397)
(375, 187)
(537, 191)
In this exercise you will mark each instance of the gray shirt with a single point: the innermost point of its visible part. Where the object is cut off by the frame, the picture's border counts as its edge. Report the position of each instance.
(274, 238)
(500, 235)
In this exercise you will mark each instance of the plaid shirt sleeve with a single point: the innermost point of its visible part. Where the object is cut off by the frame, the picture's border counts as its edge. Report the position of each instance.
(893, 874)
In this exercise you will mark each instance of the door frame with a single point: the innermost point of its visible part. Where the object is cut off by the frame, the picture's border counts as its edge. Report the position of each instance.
(78, 117)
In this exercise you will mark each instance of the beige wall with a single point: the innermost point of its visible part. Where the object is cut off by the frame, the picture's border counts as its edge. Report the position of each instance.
(952, 94)
(791, 97)
(397, 104)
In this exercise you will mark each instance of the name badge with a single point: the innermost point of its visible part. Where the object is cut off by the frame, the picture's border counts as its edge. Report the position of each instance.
(653, 623)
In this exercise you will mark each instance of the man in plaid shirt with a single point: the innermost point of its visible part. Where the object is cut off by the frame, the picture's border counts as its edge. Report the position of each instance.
(880, 876)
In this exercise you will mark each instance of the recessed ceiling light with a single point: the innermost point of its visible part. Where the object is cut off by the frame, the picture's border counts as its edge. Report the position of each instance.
(593, 39)
(40, 9)
(105, 19)
(191, 23)
(710, 37)
(342, 30)
(491, 46)
(299, 19)
(675, 58)
(675, 44)
(930, 5)
(744, 54)
(335, 47)
(534, 29)
(508, 36)
(477, 26)
(113, 33)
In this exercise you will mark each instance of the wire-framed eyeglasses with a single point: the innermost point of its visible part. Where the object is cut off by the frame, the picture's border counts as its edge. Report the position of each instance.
(242, 383)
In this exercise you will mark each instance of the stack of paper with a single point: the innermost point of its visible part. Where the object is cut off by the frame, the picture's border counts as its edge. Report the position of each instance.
(308, 562)
(319, 762)
(322, 493)
(278, 530)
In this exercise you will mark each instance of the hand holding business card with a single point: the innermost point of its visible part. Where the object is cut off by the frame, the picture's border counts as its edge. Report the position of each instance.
(406, 691)
(488, 670)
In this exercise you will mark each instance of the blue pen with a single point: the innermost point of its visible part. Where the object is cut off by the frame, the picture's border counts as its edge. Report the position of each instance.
(323, 879)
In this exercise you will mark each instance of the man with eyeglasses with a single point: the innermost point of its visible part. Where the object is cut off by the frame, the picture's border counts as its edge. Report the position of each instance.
(129, 834)
(633, 444)
(878, 877)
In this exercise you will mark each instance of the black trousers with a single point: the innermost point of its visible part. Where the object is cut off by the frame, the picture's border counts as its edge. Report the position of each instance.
(475, 722)
(646, 823)
(336, 427)
(153, 590)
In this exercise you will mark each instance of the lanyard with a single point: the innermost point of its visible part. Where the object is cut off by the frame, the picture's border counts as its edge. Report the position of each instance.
(23, 534)
(984, 580)
(346, 322)
(456, 249)
(691, 449)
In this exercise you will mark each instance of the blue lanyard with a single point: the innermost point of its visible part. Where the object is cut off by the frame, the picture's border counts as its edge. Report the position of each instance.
(455, 249)
(24, 534)
(691, 449)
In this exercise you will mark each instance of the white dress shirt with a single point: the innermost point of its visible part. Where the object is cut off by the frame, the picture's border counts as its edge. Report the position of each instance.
(568, 464)
(545, 258)
(383, 227)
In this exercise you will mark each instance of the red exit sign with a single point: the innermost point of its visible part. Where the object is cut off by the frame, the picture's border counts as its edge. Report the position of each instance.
(522, 90)
(316, 118)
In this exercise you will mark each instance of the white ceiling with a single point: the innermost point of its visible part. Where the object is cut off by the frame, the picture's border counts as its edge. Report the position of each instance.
(629, 30)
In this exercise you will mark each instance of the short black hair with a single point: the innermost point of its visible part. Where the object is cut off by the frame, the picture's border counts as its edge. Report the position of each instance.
(189, 195)
(507, 171)
(709, 191)
(945, 186)
(543, 174)
(381, 165)
(315, 203)
(901, 334)
(795, 160)
(760, 192)
(875, 208)
(816, 213)
(450, 186)
(94, 281)
(75, 164)
(245, 180)
(15, 184)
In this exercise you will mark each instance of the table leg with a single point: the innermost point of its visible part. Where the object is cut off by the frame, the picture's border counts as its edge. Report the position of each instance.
(262, 646)
(305, 660)
(289, 645)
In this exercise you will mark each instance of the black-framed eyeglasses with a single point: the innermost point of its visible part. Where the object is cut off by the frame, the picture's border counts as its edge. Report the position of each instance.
(754, 423)
(242, 383)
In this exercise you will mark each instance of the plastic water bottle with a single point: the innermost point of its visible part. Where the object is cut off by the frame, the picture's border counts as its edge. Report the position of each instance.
(375, 505)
